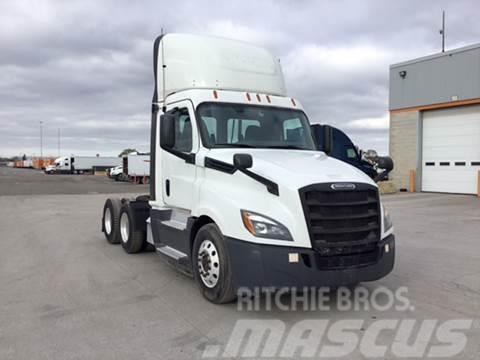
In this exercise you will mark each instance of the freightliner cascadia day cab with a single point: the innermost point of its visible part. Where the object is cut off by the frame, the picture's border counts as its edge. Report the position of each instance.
(239, 194)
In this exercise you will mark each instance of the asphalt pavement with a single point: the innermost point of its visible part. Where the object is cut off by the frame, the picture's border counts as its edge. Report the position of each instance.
(65, 293)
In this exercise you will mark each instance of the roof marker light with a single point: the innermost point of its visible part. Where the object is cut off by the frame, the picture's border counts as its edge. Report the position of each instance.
(215, 94)
(258, 98)
(248, 97)
(268, 99)
(293, 102)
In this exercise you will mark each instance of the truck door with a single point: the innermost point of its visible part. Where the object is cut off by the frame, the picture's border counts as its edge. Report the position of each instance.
(179, 172)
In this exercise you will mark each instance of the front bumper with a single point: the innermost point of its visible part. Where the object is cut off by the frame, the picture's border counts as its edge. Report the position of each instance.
(255, 265)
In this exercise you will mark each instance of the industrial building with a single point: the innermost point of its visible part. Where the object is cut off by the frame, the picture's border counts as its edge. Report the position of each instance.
(435, 122)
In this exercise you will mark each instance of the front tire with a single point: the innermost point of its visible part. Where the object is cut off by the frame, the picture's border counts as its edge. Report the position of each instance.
(111, 220)
(132, 239)
(211, 265)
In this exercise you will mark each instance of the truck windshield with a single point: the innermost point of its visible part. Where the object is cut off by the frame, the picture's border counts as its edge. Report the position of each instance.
(242, 125)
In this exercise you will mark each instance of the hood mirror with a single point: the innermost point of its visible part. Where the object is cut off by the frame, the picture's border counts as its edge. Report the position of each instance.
(242, 161)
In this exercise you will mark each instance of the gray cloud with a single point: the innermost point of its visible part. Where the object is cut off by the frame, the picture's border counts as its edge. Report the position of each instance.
(85, 66)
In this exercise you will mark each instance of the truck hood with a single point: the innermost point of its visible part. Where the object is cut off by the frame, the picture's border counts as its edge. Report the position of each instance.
(295, 168)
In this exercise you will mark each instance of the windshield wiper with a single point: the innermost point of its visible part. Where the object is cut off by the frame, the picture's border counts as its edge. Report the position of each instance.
(293, 147)
(234, 145)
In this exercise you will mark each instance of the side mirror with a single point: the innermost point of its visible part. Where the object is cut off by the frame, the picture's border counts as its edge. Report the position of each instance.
(385, 162)
(167, 131)
(242, 161)
(327, 139)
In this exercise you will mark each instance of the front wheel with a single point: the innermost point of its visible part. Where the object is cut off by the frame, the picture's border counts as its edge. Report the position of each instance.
(211, 265)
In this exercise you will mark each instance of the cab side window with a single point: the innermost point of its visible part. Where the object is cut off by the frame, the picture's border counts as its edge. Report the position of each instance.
(183, 132)
(351, 153)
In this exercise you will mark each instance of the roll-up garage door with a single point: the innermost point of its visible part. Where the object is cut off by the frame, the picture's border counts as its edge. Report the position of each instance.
(451, 150)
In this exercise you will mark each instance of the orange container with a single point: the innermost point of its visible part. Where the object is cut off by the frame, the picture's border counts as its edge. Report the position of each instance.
(42, 163)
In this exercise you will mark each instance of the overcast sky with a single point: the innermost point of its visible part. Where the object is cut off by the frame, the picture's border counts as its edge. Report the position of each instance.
(86, 66)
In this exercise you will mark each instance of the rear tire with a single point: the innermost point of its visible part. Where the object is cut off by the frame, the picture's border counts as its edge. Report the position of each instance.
(132, 239)
(211, 265)
(111, 220)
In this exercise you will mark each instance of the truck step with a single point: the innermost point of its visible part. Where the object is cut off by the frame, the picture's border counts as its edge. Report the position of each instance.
(178, 219)
(176, 259)
(176, 224)
(171, 252)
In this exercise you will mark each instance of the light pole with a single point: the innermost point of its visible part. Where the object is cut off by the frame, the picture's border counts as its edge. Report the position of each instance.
(58, 142)
(442, 31)
(41, 140)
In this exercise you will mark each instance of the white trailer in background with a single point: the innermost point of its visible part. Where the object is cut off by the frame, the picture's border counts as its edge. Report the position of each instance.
(88, 163)
(137, 168)
(28, 163)
(82, 164)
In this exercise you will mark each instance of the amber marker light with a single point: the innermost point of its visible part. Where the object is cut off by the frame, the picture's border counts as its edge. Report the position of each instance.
(247, 222)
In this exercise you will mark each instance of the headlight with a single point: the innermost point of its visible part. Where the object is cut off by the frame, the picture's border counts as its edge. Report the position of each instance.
(387, 221)
(262, 226)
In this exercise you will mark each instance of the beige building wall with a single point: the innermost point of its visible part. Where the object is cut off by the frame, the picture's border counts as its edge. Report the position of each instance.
(404, 146)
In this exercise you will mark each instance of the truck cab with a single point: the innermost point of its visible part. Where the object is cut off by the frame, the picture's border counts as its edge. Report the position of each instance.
(240, 197)
(342, 148)
(60, 165)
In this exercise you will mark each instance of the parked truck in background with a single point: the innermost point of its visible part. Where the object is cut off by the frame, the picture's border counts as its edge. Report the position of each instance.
(135, 168)
(343, 149)
(239, 194)
(82, 164)
(115, 172)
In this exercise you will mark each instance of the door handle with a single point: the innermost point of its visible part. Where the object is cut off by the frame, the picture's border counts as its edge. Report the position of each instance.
(167, 187)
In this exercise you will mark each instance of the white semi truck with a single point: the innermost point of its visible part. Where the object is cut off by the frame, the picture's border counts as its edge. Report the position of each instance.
(239, 195)
(115, 172)
(81, 164)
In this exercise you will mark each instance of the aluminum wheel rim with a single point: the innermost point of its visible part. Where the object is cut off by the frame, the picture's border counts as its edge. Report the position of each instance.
(124, 227)
(108, 221)
(208, 263)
